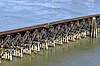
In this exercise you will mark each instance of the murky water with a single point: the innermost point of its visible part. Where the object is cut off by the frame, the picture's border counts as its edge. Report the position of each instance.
(84, 52)
(22, 13)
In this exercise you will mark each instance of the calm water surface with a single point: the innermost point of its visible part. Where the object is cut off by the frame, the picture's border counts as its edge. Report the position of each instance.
(84, 52)
(22, 13)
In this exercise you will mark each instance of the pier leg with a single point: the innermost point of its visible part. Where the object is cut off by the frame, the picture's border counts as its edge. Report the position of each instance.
(93, 28)
(10, 56)
(35, 48)
(84, 34)
(54, 43)
(21, 52)
(46, 45)
(73, 39)
(64, 39)
(32, 47)
(67, 39)
(79, 36)
(38, 47)
(61, 40)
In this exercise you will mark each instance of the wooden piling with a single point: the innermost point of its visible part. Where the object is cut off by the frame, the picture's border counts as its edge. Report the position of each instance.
(93, 30)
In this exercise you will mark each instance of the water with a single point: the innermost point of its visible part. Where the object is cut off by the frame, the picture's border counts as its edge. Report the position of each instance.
(22, 13)
(84, 52)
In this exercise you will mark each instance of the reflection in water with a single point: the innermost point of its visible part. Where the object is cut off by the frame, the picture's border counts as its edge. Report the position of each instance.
(84, 52)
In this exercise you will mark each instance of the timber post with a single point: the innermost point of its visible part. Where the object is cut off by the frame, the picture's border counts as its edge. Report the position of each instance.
(93, 28)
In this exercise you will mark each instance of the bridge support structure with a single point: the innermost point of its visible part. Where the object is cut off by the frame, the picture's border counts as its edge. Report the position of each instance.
(47, 35)
(93, 28)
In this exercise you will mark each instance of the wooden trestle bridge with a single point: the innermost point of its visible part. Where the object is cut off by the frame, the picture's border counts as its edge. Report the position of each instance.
(34, 38)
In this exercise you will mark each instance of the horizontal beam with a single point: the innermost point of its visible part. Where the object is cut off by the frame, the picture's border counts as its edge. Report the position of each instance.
(45, 25)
